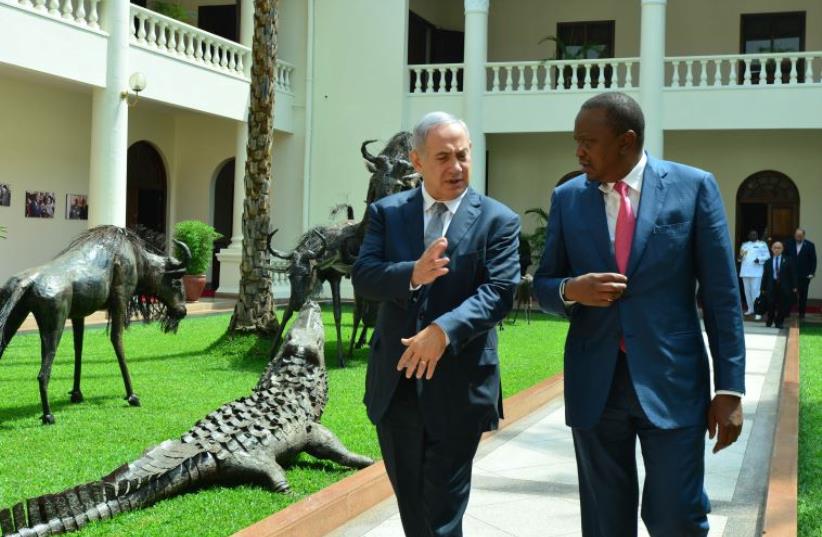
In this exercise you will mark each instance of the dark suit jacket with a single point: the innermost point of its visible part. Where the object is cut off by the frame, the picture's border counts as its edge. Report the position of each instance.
(467, 303)
(681, 238)
(787, 279)
(805, 262)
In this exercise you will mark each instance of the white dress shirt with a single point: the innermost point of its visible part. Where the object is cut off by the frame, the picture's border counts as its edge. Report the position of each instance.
(428, 202)
(612, 200)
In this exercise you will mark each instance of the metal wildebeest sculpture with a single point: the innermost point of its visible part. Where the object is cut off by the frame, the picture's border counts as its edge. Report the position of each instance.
(105, 267)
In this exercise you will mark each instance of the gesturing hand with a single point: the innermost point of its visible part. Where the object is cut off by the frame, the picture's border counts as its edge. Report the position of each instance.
(596, 289)
(423, 352)
(431, 265)
(726, 414)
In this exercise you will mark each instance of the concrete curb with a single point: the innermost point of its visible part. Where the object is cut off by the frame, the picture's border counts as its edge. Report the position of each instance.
(331, 507)
(781, 505)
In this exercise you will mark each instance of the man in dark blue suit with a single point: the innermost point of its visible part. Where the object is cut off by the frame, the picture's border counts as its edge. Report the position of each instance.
(442, 261)
(803, 252)
(779, 285)
(626, 245)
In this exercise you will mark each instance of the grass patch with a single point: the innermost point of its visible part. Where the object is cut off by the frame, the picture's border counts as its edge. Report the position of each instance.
(810, 432)
(180, 378)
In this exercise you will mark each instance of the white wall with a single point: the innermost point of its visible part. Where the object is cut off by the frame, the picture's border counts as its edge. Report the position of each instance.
(44, 146)
(444, 14)
(359, 86)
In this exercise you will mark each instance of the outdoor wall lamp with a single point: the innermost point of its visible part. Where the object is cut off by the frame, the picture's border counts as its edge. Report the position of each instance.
(137, 83)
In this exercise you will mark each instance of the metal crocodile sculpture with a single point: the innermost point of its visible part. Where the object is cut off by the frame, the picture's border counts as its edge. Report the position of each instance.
(246, 440)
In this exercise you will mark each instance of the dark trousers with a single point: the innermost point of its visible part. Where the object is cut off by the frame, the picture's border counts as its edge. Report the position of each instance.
(778, 308)
(804, 283)
(674, 503)
(431, 476)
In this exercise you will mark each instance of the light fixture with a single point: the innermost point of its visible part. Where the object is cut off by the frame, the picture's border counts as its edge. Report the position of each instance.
(137, 83)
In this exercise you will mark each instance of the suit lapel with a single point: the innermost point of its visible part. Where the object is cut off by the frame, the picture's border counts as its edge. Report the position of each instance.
(413, 219)
(650, 203)
(593, 211)
(464, 218)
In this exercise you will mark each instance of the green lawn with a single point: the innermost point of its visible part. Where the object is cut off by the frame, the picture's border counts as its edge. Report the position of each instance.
(179, 379)
(810, 432)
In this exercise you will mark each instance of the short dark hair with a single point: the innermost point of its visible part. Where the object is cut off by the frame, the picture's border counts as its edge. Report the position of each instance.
(622, 111)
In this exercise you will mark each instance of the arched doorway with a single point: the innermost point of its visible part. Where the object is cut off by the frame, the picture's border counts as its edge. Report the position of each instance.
(146, 188)
(768, 202)
(223, 215)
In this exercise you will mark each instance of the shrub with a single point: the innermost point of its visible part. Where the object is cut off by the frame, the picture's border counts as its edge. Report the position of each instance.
(199, 237)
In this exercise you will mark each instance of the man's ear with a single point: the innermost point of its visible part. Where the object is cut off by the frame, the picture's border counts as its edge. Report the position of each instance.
(627, 143)
(416, 160)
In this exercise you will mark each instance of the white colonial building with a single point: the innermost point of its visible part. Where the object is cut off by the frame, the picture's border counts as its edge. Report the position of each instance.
(734, 87)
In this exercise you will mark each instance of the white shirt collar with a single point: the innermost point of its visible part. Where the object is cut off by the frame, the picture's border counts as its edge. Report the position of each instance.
(428, 201)
(634, 177)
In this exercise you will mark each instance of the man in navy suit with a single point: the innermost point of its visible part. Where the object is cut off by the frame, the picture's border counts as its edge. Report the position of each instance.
(626, 245)
(803, 252)
(442, 261)
(779, 285)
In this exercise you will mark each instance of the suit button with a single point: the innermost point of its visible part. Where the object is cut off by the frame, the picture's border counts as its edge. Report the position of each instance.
(420, 317)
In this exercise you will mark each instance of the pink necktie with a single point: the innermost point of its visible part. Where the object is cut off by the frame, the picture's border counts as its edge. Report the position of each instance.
(625, 224)
(624, 235)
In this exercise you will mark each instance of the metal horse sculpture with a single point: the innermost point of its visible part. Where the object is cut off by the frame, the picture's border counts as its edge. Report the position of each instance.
(246, 440)
(106, 267)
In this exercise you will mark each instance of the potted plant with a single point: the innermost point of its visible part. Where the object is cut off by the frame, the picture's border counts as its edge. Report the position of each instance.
(199, 237)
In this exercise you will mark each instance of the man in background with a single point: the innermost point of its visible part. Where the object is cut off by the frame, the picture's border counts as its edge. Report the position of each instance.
(804, 253)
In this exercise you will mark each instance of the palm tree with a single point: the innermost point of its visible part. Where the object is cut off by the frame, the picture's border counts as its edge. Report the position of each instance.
(254, 310)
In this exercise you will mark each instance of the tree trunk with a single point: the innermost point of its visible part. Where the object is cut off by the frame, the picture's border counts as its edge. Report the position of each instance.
(254, 310)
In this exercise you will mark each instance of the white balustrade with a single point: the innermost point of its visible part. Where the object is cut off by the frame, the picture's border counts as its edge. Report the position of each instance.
(178, 39)
(80, 12)
(435, 79)
(284, 72)
(745, 70)
(560, 75)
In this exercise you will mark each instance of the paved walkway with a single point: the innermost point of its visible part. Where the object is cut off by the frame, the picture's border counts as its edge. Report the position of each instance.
(525, 480)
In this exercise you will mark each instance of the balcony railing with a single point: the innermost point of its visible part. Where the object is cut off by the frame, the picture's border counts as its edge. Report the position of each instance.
(735, 70)
(80, 12)
(188, 43)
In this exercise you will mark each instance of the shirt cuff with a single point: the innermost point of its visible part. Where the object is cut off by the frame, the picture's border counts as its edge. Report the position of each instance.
(728, 392)
(411, 287)
(567, 303)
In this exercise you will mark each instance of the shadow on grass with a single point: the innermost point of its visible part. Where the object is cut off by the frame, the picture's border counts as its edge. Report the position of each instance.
(9, 415)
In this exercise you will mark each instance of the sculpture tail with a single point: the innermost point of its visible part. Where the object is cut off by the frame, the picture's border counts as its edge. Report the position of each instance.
(12, 311)
(163, 471)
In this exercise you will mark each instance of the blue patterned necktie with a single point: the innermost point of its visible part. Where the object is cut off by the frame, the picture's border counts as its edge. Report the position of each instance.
(433, 230)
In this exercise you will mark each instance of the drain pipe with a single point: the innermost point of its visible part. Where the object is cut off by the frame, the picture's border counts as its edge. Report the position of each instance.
(309, 117)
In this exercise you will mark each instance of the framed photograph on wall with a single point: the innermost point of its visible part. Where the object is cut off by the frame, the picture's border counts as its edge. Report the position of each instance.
(39, 204)
(76, 207)
(5, 195)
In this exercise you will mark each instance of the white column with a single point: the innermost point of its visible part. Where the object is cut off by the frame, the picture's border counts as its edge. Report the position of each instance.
(652, 73)
(476, 55)
(231, 256)
(109, 125)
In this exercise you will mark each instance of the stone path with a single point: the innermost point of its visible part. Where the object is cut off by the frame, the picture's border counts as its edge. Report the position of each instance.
(525, 480)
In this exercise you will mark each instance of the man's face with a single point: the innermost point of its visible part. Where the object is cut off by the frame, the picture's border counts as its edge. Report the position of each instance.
(445, 161)
(752, 236)
(600, 151)
(799, 235)
(776, 248)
